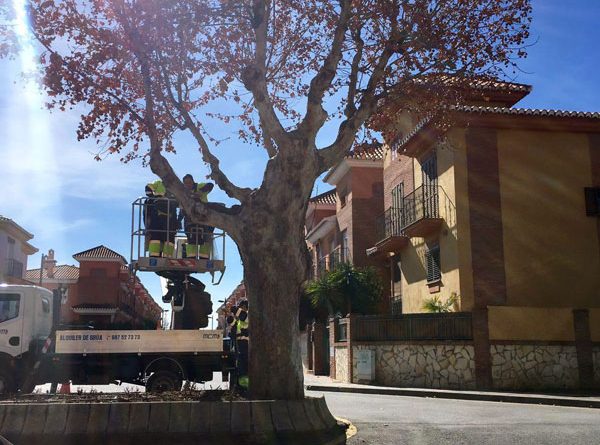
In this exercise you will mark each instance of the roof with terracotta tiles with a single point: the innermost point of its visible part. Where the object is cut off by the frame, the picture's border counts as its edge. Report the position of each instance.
(62, 272)
(100, 252)
(528, 112)
(533, 112)
(327, 197)
(6, 220)
(477, 83)
(372, 152)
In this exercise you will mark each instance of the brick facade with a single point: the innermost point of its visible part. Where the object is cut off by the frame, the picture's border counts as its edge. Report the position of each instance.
(358, 201)
(101, 291)
(487, 250)
(399, 169)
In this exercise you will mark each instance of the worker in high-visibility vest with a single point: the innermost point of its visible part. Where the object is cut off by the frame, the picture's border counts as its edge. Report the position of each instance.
(231, 324)
(241, 341)
(161, 222)
(199, 236)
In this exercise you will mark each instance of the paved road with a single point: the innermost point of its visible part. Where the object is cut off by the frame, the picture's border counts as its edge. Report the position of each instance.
(395, 420)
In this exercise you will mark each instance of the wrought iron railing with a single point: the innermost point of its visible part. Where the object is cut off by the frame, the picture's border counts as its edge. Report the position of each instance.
(14, 268)
(420, 204)
(338, 256)
(444, 326)
(389, 223)
(331, 261)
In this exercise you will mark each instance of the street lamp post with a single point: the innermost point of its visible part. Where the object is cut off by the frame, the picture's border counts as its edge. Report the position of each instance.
(42, 268)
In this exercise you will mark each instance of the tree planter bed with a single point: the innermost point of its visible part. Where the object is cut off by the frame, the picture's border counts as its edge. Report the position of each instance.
(305, 421)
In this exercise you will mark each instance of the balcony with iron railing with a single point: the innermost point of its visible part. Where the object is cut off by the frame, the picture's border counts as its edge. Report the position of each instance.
(13, 268)
(329, 262)
(389, 231)
(421, 212)
(418, 216)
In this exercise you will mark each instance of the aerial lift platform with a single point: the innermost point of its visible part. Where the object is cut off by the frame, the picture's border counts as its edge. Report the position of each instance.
(179, 267)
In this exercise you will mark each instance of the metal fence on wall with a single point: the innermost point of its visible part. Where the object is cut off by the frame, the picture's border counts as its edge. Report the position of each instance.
(446, 326)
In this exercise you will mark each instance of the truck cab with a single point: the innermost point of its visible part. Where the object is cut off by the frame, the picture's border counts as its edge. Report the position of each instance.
(25, 322)
(159, 360)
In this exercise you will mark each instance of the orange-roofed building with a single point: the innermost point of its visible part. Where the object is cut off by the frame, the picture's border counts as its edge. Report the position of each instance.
(101, 291)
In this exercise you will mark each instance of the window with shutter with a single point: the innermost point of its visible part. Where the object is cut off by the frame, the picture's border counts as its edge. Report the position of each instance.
(432, 259)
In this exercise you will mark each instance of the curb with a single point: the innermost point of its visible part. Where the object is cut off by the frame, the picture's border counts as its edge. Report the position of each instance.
(477, 396)
(238, 422)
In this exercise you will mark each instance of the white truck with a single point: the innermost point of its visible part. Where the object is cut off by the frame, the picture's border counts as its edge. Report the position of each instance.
(33, 351)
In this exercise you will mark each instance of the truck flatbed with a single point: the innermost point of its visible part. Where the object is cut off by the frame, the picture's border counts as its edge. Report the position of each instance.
(138, 342)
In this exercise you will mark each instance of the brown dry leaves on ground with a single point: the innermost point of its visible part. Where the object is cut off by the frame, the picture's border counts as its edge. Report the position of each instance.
(129, 396)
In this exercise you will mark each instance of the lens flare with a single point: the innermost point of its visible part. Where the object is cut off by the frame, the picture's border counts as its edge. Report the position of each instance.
(33, 168)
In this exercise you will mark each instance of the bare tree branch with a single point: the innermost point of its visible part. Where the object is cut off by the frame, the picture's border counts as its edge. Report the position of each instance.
(353, 78)
(315, 113)
(268, 142)
(70, 67)
(254, 78)
(233, 191)
(331, 155)
(216, 216)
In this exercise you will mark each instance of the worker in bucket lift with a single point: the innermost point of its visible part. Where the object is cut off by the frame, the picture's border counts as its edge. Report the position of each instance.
(199, 236)
(160, 217)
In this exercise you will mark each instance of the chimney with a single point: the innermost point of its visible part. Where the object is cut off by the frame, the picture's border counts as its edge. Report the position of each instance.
(50, 264)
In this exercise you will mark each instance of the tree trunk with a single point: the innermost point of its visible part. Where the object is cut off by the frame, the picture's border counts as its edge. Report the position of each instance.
(273, 249)
(273, 281)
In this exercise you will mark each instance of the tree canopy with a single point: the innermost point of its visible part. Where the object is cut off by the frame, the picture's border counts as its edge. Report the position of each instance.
(144, 71)
(147, 69)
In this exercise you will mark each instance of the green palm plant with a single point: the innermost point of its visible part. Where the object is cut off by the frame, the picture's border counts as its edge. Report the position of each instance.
(436, 305)
(345, 289)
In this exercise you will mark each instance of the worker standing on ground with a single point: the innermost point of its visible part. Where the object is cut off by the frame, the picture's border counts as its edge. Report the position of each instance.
(242, 339)
(199, 236)
(231, 324)
(160, 220)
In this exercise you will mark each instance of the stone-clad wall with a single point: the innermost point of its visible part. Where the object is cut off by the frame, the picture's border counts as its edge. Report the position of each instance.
(424, 366)
(452, 366)
(341, 364)
(534, 366)
(596, 352)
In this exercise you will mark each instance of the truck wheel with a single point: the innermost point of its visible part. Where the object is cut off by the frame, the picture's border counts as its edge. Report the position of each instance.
(27, 388)
(7, 383)
(161, 381)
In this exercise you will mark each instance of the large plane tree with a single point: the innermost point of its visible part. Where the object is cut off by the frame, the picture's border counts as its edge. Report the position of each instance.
(147, 70)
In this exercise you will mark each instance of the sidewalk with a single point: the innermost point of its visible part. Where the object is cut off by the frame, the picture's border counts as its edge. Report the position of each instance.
(326, 384)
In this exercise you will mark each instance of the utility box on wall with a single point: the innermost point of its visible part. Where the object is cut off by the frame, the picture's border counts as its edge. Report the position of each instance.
(365, 365)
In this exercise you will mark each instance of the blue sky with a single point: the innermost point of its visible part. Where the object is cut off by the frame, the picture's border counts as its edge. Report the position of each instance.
(53, 187)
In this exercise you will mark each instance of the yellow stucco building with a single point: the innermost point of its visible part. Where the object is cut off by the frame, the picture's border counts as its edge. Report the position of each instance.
(501, 208)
